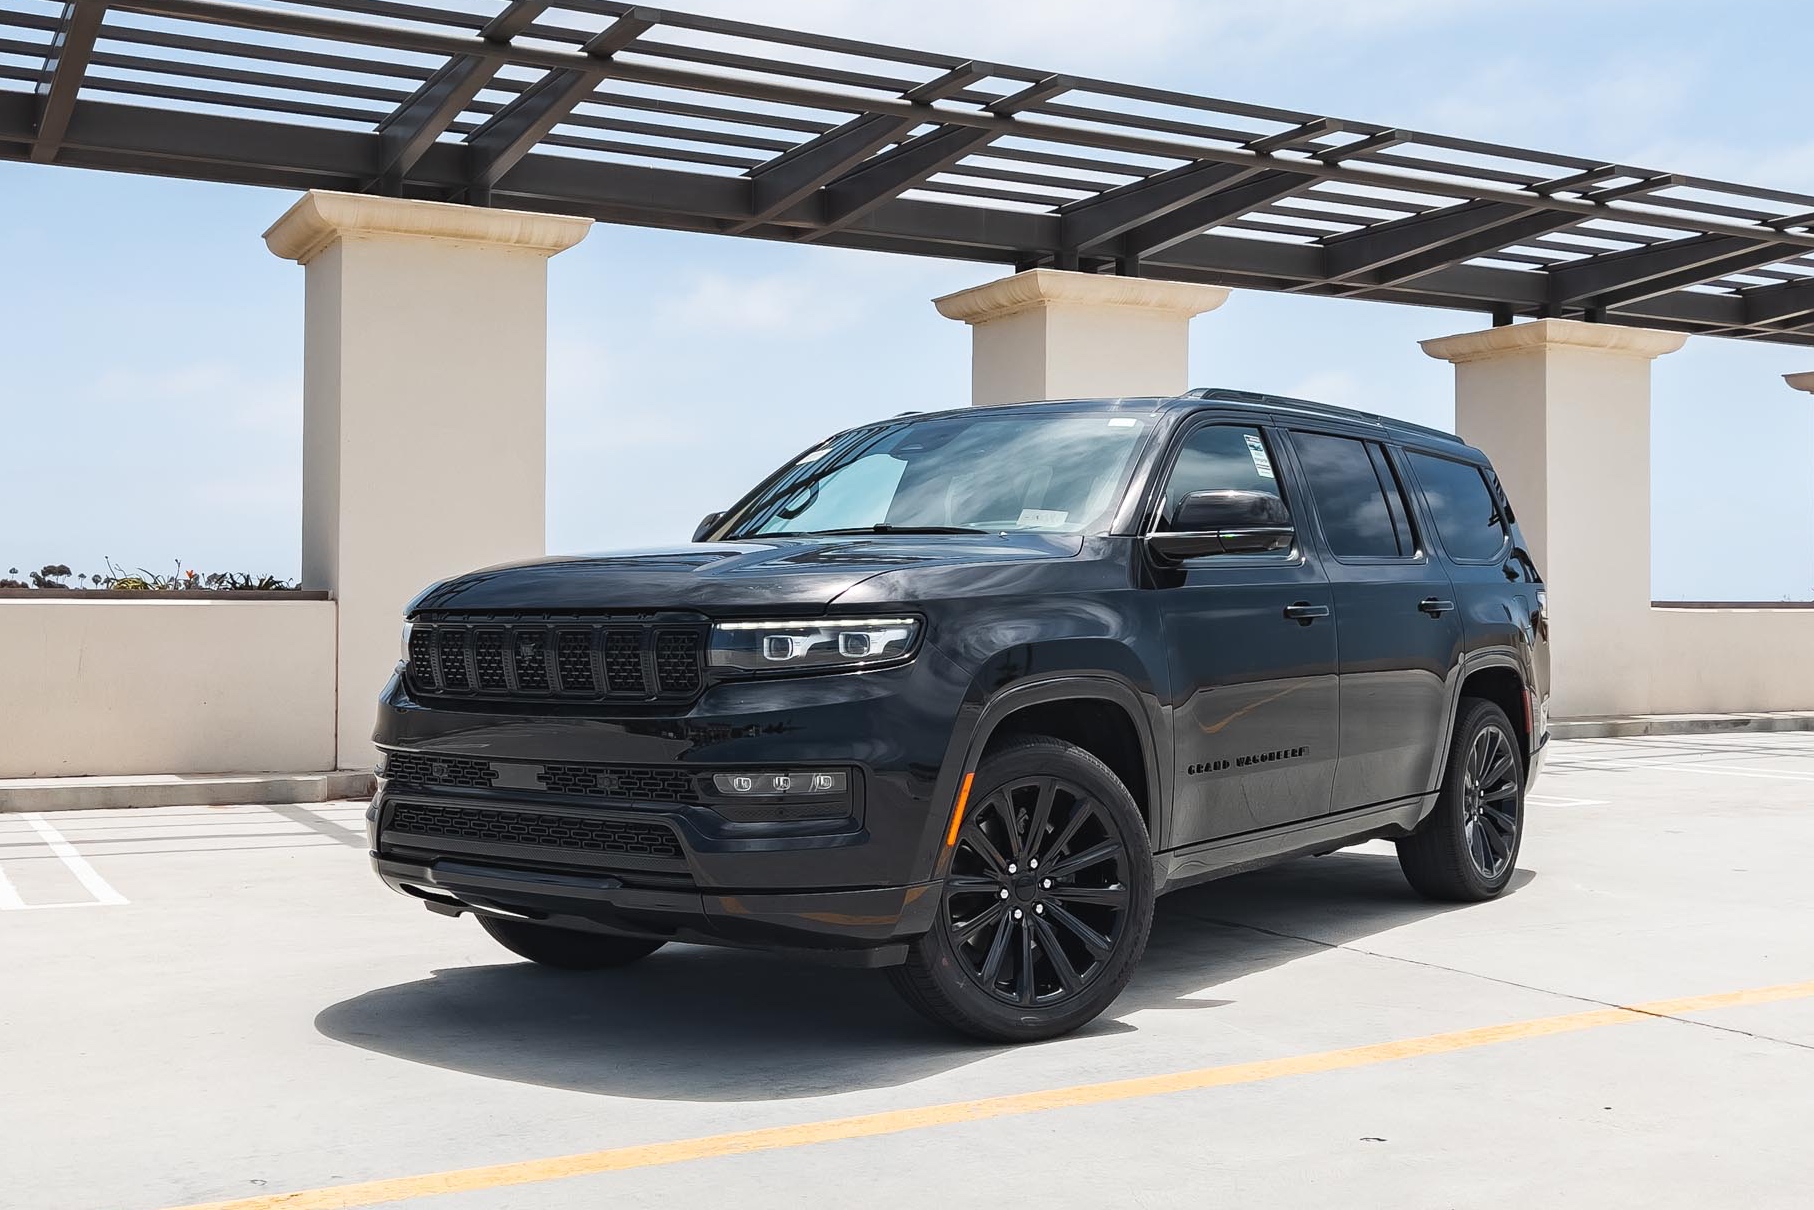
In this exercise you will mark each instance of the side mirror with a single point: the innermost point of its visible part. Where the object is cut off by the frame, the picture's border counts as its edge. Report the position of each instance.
(1224, 522)
(705, 526)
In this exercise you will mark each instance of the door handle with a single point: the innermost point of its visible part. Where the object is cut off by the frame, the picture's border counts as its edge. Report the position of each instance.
(1435, 606)
(1304, 613)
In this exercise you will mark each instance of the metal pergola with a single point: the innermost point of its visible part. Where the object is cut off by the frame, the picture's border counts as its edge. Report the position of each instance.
(666, 119)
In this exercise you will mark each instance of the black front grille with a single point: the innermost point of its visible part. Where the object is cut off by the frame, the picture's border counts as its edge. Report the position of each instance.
(578, 833)
(626, 783)
(634, 783)
(421, 769)
(556, 659)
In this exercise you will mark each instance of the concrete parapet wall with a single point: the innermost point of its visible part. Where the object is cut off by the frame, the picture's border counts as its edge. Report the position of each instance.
(166, 686)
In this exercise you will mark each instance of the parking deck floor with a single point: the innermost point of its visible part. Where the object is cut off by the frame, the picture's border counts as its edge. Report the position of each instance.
(222, 1006)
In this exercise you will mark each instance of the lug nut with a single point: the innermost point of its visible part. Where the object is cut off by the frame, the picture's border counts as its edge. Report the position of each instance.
(1039, 909)
(1018, 913)
(1033, 864)
(1012, 868)
(1045, 884)
(1004, 892)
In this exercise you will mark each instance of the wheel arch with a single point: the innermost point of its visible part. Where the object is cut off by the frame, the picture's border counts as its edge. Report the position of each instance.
(1100, 713)
(1500, 678)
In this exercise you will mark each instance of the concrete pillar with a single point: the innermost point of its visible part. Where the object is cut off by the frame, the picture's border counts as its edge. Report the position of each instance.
(1563, 409)
(424, 410)
(1801, 382)
(1048, 334)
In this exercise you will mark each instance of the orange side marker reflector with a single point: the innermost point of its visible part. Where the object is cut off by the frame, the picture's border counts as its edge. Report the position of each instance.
(957, 816)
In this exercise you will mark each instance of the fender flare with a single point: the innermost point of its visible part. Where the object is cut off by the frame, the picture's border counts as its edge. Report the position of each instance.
(967, 745)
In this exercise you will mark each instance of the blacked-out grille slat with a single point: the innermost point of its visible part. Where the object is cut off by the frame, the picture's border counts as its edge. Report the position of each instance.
(488, 659)
(450, 648)
(573, 660)
(677, 661)
(578, 833)
(422, 656)
(496, 657)
(422, 769)
(623, 662)
(629, 782)
(528, 648)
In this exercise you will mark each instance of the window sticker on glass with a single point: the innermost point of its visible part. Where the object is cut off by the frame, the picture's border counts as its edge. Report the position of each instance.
(1122, 422)
(1043, 516)
(1257, 449)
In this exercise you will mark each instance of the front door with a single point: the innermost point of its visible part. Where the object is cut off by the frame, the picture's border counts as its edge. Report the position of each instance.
(1399, 629)
(1251, 641)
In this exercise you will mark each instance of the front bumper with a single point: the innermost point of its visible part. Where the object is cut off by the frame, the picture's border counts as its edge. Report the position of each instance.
(867, 927)
(684, 867)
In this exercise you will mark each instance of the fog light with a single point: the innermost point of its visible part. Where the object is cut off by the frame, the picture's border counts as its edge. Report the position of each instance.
(755, 785)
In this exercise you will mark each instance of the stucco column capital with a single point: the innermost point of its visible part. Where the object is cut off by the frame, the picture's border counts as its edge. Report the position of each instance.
(320, 217)
(1801, 382)
(1553, 334)
(1034, 288)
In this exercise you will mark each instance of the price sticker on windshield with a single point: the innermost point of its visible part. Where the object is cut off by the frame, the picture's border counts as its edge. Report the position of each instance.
(1257, 449)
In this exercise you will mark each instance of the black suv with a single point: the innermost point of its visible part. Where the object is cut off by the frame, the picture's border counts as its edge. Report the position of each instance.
(958, 694)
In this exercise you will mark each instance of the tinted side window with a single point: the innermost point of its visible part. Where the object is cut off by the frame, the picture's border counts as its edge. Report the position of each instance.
(1356, 518)
(1467, 519)
(1218, 457)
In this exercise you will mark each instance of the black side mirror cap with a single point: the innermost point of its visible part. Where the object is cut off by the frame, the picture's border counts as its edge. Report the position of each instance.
(706, 526)
(1224, 522)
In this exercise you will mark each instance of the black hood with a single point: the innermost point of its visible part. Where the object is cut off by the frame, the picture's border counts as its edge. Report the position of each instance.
(790, 574)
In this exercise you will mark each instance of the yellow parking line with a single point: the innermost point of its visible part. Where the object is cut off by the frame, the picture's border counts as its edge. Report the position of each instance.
(895, 1121)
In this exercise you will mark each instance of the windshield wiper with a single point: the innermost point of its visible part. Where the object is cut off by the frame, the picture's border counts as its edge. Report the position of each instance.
(896, 529)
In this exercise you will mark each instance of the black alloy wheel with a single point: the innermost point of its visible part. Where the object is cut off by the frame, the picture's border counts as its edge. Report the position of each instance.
(1466, 849)
(1047, 902)
(1490, 803)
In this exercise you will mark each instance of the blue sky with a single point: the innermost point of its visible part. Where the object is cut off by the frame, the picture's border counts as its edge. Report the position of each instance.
(150, 347)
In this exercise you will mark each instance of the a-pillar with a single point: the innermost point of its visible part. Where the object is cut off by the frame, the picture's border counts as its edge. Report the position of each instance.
(1051, 334)
(1563, 410)
(425, 341)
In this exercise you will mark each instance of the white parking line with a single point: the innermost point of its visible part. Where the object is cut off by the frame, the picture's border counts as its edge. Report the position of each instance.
(1552, 800)
(91, 880)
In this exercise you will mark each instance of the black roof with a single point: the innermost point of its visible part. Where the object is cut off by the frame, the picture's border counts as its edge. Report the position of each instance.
(1255, 401)
(671, 119)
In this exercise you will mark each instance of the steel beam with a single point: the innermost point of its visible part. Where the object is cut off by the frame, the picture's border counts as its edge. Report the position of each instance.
(1611, 278)
(1409, 247)
(412, 128)
(1776, 304)
(495, 147)
(64, 68)
(887, 176)
(1212, 210)
(1098, 220)
(802, 171)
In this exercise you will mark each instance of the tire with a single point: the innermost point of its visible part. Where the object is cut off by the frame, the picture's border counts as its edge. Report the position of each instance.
(1055, 950)
(1466, 850)
(565, 949)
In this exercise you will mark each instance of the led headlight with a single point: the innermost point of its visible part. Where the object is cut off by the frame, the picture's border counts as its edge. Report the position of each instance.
(828, 645)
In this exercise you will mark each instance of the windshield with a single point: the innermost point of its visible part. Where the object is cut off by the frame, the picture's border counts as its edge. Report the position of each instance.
(990, 472)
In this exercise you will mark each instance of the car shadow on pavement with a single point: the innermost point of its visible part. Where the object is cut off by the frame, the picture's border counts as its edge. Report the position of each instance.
(703, 1024)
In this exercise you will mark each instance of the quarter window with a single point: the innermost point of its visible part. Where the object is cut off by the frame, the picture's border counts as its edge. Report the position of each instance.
(1220, 457)
(1467, 517)
(1350, 499)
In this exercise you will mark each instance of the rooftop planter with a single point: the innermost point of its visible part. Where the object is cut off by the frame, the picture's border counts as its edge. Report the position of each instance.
(54, 582)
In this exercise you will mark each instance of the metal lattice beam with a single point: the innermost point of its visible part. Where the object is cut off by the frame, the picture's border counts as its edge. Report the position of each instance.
(413, 126)
(64, 68)
(508, 135)
(716, 125)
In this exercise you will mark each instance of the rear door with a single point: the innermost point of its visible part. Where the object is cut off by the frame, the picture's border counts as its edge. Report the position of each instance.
(1398, 628)
(1251, 644)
